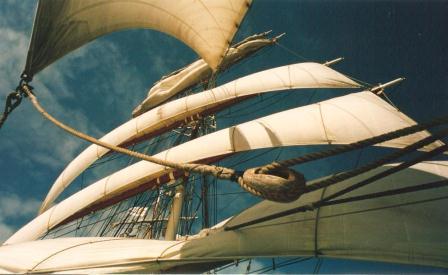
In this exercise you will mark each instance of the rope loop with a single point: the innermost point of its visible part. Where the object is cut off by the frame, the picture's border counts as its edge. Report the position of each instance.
(13, 100)
(281, 185)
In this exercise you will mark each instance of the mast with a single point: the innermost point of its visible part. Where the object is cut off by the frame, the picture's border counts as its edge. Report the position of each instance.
(176, 207)
(205, 202)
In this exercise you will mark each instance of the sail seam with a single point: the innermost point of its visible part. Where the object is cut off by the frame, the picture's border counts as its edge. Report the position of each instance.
(323, 123)
(49, 217)
(289, 76)
(105, 185)
(68, 248)
(316, 250)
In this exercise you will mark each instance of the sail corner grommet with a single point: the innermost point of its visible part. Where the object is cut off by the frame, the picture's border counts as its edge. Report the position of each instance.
(280, 185)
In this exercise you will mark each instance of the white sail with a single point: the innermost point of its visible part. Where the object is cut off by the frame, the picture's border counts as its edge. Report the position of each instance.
(197, 72)
(301, 75)
(339, 120)
(397, 229)
(62, 26)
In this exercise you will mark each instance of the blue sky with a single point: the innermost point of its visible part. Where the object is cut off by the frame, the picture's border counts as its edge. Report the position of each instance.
(95, 88)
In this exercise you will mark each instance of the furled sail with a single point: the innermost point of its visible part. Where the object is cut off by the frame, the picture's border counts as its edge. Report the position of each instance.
(63, 26)
(198, 72)
(390, 229)
(339, 120)
(301, 75)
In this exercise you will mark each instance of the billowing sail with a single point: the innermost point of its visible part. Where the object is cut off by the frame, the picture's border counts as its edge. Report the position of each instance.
(198, 71)
(62, 26)
(301, 75)
(339, 120)
(406, 228)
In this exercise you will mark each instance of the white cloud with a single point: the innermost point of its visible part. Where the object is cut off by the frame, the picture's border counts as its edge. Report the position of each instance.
(14, 44)
(14, 206)
(13, 209)
(38, 140)
(5, 231)
(24, 119)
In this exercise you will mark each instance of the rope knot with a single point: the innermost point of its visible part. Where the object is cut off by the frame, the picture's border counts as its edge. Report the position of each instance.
(281, 185)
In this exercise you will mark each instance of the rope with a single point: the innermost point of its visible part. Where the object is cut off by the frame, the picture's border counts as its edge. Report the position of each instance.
(285, 185)
(13, 100)
(406, 164)
(265, 270)
(397, 191)
(270, 186)
(355, 145)
(318, 265)
(248, 266)
(292, 52)
(377, 163)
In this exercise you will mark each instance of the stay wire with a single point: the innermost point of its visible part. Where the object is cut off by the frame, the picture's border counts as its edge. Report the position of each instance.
(395, 169)
(376, 163)
(354, 212)
(318, 265)
(114, 155)
(294, 53)
(279, 265)
(392, 192)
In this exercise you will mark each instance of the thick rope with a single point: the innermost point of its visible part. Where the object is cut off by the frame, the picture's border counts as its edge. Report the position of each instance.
(282, 185)
(355, 145)
(269, 186)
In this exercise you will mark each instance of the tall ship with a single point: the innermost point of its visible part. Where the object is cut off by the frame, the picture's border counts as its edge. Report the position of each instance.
(243, 155)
